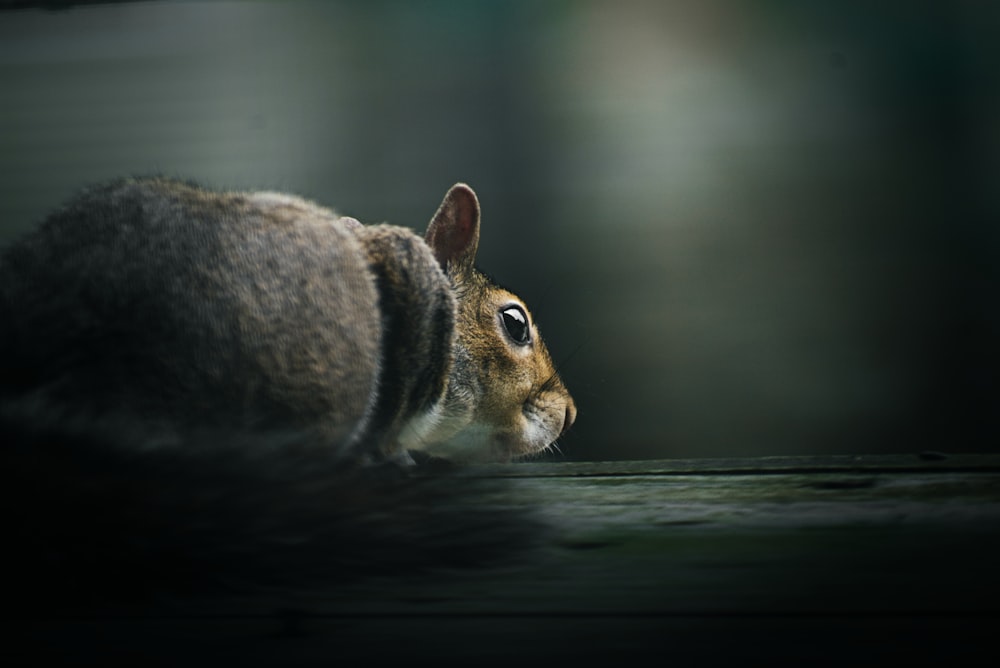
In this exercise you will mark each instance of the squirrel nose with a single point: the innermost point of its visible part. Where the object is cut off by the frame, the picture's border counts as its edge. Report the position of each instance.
(569, 418)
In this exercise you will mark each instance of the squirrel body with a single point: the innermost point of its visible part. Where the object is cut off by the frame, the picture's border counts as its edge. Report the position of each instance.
(152, 309)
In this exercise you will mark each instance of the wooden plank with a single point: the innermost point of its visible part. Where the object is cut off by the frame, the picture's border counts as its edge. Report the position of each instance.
(923, 461)
(798, 559)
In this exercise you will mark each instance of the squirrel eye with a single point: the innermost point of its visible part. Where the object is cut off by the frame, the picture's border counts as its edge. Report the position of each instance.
(515, 321)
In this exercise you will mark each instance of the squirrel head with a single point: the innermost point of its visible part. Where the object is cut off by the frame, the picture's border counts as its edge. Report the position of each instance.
(504, 398)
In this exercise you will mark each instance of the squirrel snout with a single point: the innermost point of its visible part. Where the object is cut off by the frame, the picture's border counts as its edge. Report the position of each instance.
(568, 420)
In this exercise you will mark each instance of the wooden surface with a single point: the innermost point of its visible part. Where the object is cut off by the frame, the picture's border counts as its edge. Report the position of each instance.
(805, 561)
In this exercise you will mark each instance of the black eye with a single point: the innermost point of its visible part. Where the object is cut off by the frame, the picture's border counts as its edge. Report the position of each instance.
(515, 321)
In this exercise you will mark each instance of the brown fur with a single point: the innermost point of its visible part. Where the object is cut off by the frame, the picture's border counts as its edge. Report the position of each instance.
(504, 400)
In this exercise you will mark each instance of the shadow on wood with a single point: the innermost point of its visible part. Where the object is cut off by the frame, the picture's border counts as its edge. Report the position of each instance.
(806, 560)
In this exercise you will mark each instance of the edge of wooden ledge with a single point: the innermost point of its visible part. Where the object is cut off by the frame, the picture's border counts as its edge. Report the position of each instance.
(896, 463)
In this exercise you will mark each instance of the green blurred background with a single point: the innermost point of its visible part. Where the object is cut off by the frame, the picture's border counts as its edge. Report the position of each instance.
(745, 228)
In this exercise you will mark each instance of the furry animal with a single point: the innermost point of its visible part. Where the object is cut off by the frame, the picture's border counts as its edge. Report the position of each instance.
(195, 385)
(170, 313)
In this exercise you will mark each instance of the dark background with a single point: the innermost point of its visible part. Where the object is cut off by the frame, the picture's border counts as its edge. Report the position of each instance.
(745, 228)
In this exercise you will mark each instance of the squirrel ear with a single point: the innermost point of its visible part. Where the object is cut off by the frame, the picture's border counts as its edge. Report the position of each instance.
(453, 234)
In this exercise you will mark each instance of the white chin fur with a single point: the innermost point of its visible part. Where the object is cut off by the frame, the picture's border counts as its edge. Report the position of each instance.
(475, 442)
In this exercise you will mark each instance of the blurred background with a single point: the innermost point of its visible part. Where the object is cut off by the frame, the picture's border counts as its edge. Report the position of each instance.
(745, 228)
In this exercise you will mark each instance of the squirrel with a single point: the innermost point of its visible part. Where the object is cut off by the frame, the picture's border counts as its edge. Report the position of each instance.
(195, 387)
(175, 310)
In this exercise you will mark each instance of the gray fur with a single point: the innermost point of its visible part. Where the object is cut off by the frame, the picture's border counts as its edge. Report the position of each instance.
(154, 302)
